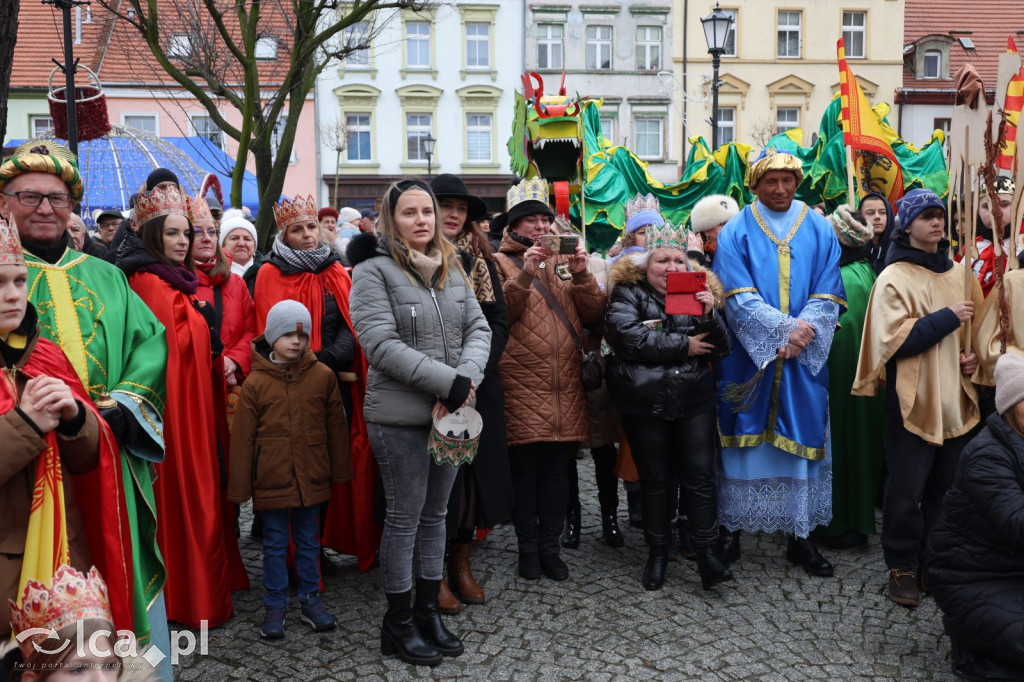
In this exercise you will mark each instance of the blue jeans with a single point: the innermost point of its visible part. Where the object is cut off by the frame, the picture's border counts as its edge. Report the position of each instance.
(416, 490)
(305, 531)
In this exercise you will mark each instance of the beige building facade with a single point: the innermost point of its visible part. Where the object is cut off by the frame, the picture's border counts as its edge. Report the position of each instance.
(780, 67)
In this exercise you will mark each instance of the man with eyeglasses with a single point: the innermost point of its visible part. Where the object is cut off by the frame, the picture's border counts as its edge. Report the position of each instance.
(119, 350)
(107, 222)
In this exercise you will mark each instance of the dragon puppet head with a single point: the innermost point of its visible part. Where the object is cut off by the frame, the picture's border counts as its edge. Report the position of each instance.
(547, 134)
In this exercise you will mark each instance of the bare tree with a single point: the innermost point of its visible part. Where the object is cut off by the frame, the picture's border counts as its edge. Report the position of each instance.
(335, 136)
(8, 37)
(260, 57)
(763, 130)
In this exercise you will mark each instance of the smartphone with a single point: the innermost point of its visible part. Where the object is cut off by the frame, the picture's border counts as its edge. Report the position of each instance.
(560, 244)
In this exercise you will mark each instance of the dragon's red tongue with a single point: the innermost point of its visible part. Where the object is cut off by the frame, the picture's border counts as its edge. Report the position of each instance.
(554, 110)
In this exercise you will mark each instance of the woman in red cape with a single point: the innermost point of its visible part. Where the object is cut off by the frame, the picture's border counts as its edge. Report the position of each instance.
(189, 499)
(303, 268)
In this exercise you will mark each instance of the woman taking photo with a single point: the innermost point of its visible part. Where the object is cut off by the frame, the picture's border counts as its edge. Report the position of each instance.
(661, 380)
(158, 262)
(482, 494)
(427, 343)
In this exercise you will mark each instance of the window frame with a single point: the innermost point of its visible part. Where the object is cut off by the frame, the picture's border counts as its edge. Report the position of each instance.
(352, 34)
(487, 133)
(179, 46)
(548, 42)
(779, 29)
(853, 29)
(732, 32)
(647, 44)
(223, 138)
(731, 127)
(142, 114)
(649, 118)
(264, 43)
(937, 53)
(486, 48)
(33, 119)
(614, 123)
(596, 43)
(421, 157)
(778, 120)
(427, 39)
(351, 130)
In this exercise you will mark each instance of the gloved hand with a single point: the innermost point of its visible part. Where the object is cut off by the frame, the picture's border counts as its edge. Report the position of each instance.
(118, 418)
(210, 315)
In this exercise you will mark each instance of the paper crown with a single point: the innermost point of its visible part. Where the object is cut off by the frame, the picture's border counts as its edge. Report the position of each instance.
(71, 597)
(1003, 185)
(666, 236)
(300, 210)
(535, 189)
(641, 211)
(161, 202)
(10, 245)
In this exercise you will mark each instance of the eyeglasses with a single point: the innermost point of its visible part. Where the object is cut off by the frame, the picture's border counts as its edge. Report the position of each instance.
(34, 199)
(212, 233)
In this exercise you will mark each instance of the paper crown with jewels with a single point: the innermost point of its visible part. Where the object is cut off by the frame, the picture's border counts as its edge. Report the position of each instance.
(70, 597)
(161, 202)
(666, 236)
(10, 245)
(198, 209)
(534, 189)
(299, 210)
(641, 211)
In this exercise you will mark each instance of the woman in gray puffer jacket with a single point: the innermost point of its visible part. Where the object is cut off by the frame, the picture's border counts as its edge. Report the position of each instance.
(427, 343)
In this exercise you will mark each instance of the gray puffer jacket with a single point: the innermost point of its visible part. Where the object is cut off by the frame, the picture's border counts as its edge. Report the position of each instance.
(418, 339)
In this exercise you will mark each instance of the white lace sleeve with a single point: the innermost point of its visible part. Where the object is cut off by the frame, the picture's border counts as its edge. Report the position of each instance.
(823, 314)
(761, 329)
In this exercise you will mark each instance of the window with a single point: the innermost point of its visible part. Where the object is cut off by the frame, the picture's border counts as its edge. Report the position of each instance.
(358, 146)
(356, 37)
(417, 45)
(40, 125)
(608, 129)
(853, 34)
(730, 39)
(549, 46)
(266, 48)
(599, 47)
(726, 125)
(933, 64)
(180, 47)
(942, 124)
(275, 141)
(648, 138)
(205, 127)
(145, 122)
(478, 46)
(787, 118)
(789, 34)
(417, 129)
(478, 138)
(648, 48)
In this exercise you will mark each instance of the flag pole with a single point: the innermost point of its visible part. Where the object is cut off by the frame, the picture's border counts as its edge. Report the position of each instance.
(851, 187)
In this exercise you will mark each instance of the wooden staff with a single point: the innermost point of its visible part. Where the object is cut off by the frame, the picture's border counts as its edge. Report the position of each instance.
(851, 188)
(969, 226)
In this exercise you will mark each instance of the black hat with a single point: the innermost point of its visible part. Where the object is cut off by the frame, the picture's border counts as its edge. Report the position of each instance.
(368, 213)
(448, 185)
(498, 224)
(214, 204)
(161, 175)
(109, 213)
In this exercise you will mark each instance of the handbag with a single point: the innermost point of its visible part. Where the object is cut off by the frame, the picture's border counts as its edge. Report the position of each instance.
(591, 371)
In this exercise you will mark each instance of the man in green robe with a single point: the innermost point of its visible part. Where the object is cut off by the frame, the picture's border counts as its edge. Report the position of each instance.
(116, 345)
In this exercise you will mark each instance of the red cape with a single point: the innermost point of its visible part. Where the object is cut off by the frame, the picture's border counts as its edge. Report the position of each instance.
(350, 527)
(99, 493)
(190, 529)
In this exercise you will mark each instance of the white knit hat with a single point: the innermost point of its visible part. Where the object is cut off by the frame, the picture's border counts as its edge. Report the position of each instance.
(712, 211)
(347, 214)
(234, 223)
(286, 317)
(1009, 381)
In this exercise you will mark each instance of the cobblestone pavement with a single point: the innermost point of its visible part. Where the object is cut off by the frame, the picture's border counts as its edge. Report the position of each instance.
(772, 623)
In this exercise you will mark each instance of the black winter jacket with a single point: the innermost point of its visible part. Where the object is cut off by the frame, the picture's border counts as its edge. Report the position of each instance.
(650, 371)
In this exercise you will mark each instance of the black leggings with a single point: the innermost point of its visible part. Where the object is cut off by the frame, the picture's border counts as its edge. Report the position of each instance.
(540, 480)
(670, 453)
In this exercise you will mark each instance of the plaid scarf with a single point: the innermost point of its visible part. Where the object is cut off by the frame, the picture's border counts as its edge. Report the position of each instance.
(309, 261)
(477, 268)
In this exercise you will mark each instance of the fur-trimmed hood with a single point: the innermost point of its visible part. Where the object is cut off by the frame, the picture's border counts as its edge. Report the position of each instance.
(625, 271)
(363, 247)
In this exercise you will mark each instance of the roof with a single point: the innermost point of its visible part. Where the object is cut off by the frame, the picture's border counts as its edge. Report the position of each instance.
(989, 23)
(40, 38)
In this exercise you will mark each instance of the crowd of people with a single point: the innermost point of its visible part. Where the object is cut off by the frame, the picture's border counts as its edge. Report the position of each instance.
(730, 371)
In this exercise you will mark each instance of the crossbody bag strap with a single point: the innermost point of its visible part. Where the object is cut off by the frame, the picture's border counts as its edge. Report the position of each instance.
(552, 303)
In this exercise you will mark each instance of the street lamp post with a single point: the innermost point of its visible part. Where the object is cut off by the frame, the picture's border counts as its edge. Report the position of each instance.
(428, 150)
(716, 32)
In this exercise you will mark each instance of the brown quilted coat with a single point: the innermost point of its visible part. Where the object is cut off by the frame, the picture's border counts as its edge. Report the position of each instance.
(540, 370)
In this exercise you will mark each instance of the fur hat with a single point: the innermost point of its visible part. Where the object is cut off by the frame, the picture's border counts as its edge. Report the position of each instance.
(286, 317)
(849, 230)
(1009, 381)
(712, 211)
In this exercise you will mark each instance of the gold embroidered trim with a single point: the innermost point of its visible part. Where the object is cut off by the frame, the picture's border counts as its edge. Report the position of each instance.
(830, 297)
(772, 438)
(741, 290)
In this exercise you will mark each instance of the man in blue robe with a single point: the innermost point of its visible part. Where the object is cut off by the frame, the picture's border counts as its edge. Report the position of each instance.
(779, 263)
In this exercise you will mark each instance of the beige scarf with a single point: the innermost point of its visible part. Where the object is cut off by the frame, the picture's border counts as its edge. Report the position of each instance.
(426, 265)
(478, 272)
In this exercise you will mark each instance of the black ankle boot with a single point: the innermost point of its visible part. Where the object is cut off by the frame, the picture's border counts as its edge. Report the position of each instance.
(728, 545)
(529, 565)
(657, 565)
(803, 552)
(636, 517)
(399, 635)
(610, 530)
(554, 567)
(427, 616)
(711, 568)
(571, 536)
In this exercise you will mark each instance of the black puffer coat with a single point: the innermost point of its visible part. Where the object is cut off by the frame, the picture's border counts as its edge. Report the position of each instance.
(651, 372)
(976, 562)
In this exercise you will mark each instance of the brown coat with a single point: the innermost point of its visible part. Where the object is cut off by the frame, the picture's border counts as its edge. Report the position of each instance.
(540, 370)
(21, 446)
(289, 439)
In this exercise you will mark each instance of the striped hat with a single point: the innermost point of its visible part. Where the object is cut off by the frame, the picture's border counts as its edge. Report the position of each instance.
(44, 156)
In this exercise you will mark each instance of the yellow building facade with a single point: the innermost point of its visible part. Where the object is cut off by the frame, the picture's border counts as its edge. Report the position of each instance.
(780, 67)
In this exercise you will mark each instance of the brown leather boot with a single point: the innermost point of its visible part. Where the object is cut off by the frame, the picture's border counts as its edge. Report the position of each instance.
(446, 601)
(461, 573)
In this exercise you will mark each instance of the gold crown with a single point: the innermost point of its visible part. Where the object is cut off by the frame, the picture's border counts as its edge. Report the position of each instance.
(10, 245)
(160, 202)
(300, 210)
(666, 236)
(535, 189)
(70, 598)
(198, 209)
(639, 204)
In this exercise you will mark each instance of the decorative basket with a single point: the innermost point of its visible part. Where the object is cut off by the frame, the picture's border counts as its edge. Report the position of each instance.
(455, 437)
(90, 108)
